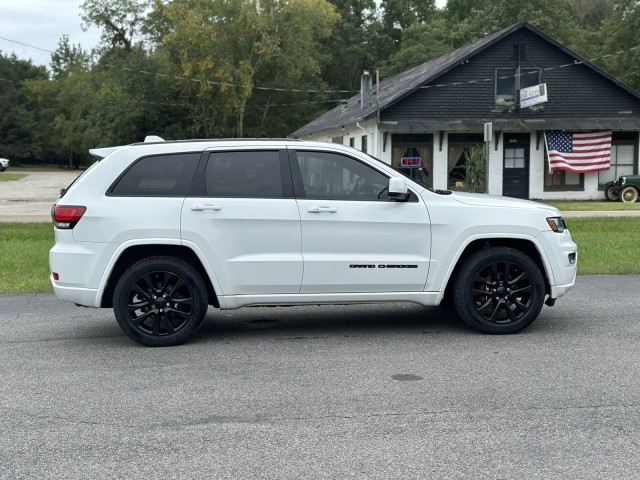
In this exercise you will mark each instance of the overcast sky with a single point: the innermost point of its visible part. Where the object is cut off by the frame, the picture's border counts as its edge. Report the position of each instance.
(41, 23)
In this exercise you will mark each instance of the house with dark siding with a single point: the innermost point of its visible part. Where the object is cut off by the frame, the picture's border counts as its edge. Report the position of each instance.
(437, 112)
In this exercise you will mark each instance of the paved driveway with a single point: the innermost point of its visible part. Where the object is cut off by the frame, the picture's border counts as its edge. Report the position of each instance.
(30, 198)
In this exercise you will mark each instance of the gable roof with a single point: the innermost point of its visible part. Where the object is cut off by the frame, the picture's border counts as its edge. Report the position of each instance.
(395, 88)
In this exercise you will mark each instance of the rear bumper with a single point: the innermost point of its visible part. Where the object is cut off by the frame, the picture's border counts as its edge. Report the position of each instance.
(87, 297)
(79, 267)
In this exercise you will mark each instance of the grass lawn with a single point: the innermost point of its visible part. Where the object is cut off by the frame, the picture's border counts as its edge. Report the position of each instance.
(38, 168)
(7, 177)
(593, 206)
(24, 249)
(606, 246)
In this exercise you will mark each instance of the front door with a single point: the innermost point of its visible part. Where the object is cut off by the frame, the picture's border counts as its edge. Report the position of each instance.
(354, 238)
(515, 177)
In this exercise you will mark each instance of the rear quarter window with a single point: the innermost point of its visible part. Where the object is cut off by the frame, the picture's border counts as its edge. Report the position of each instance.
(157, 176)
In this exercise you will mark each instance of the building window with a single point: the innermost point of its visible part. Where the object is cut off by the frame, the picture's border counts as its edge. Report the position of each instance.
(460, 147)
(412, 155)
(509, 82)
(561, 180)
(339, 140)
(622, 158)
(352, 142)
(363, 144)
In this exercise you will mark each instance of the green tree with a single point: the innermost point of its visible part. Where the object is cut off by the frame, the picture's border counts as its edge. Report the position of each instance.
(120, 20)
(68, 58)
(19, 135)
(554, 17)
(420, 43)
(348, 51)
(226, 48)
(622, 36)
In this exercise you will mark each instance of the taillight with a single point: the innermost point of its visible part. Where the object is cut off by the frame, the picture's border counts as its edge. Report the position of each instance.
(67, 216)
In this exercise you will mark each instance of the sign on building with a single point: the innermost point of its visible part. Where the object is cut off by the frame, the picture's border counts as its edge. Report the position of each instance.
(411, 162)
(531, 96)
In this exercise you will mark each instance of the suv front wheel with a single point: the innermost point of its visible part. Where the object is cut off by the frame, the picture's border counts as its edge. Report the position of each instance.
(499, 290)
(160, 301)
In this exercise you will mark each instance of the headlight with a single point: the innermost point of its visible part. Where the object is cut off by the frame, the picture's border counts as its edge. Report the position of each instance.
(556, 224)
(623, 180)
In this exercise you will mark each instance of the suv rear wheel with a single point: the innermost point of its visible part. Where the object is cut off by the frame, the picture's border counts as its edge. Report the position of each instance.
(160, 301)
(499, 290)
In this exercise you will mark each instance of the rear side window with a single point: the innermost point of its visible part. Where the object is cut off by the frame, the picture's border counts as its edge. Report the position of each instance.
(253, 174)
(158, 176)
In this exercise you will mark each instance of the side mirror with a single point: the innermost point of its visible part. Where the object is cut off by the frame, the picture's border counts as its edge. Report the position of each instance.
(398, 189)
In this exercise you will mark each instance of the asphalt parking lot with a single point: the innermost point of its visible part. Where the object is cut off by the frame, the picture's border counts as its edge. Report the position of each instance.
(369, 391)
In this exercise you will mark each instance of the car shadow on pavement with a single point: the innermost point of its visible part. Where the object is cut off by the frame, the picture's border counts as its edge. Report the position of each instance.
(342, 320)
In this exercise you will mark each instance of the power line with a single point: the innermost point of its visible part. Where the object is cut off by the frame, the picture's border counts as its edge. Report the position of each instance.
(196, 80)
(295, 90)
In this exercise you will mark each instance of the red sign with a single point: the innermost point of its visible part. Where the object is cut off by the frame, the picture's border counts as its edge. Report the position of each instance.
(411, 162)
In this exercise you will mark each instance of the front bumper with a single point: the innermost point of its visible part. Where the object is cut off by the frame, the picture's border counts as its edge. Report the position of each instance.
(562, 254)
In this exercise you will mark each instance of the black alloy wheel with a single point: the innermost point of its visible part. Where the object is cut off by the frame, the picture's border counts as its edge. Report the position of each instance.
(499, 290)
(160, 301)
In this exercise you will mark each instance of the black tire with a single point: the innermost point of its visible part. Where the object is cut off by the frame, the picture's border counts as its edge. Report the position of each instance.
(612, 193)
(499, 290)
(160, 301)
(628, 194)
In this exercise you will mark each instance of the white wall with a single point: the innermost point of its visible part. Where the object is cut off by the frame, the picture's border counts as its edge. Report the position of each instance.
(496, 162)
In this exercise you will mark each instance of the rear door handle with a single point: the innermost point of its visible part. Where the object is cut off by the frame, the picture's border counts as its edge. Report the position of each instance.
(322, 209)
(199, 208)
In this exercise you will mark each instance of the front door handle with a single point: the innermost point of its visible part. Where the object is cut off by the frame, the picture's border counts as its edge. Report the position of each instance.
(322, 210)
(199, 208)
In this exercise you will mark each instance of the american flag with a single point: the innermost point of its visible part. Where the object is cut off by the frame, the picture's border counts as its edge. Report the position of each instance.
(578, 152)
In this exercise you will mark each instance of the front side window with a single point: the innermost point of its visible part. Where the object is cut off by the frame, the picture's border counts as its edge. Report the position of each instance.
(337, 177)
(158, 176)
(251, 174)
(509, 83)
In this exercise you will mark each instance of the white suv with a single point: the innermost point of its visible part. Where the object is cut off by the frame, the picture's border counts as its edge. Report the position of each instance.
(4, 164)
(161, 230)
